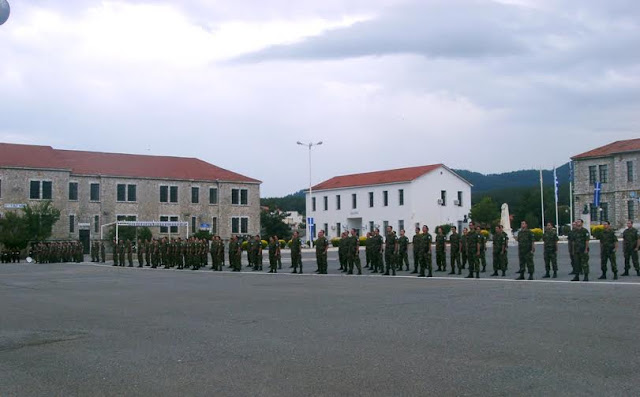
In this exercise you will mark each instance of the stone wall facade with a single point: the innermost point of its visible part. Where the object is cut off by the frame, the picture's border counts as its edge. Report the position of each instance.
(619, 193)
(15, 189)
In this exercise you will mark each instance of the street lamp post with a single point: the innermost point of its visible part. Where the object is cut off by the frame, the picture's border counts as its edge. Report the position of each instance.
(309, 146)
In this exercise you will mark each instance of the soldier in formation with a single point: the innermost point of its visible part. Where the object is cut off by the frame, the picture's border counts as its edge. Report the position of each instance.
(500, 242)
(353, 252)
(390, 251)
(322, 246)
(296, 252)
(526, 249)
(630, 246)
(441, 244)
(550, 241)
(608, 247)
(56, 252)
(581, 251)
(403, 248)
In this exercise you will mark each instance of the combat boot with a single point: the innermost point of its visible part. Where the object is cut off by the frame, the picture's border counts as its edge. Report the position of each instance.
(530, 277)
(387, 273)
(576, 277)
(459, 272)
(586, 277)
(504, 273)
(626, 272)
(453, 271)
(495, 273)
(546, 275)
(521, 276)
(615, 276)
(414, 272)
(603, 277)
(359, 272)
(393, 272)
(350, 272)
(429, 275)
(484, 269)
(555, 274)
(421, 274)
(295, 271)
(470, 275)
(477, 274)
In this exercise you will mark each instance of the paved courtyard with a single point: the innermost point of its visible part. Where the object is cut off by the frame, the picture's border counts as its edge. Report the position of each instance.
(86, 329)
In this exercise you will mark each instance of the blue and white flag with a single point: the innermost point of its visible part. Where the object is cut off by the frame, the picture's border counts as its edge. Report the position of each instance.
(596, 194)
(571, 171)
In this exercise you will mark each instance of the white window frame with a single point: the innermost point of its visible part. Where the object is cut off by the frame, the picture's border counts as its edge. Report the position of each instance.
(168, 194)
(239, 218)
(40, 189)
(217, 195)
(99, 192)
(198, 195)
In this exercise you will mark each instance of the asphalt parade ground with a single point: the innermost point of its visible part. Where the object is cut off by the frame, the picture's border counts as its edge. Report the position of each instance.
(97, 330)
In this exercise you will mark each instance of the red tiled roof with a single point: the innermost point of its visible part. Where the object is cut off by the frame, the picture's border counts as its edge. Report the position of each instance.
(115, 164)
(630, 145)
(376, 178)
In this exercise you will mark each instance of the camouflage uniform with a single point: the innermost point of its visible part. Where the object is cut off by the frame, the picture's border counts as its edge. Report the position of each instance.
(454, 243)
(630, 250)
(441, 259)
(525, 252)
(322, 244)
(390, 251)
(403, 257)
(608, 243)
(296, 254)
(550, 239)
(581, 251)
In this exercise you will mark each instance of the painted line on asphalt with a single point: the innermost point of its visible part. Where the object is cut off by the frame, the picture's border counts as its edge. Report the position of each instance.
(313, 274)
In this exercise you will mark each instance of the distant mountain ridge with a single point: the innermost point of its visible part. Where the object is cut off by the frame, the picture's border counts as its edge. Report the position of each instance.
(525, 178)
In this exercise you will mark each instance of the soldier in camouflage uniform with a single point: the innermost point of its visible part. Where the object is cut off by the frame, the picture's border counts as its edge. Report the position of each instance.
(499, 251)
(273, 261)
(129, 249)
(367, 251)
(376, 250)
(390, 251)
(353, 252)
(296, 252)
(322, 246)
(342, 251)
(463, 248)
(581, 250)
(473, 252)
(235, 253)
(630, 246)
(416, 246)
(140, 252)
(571, 239)
(426, 260)
(454, 243)
(441, 244)
(114, 250)
(482, 250)
(526, 249)
(608, 247)
(103, 253)
(550, 239)
(403, 247)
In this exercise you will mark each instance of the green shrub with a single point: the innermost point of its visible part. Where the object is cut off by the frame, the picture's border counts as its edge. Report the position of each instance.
(485, 233)
(264, 243)
(596, 231)
(245, 244)
(283, 243)
(335, 242)
(363, 241)
(537, 233)
(446, 229)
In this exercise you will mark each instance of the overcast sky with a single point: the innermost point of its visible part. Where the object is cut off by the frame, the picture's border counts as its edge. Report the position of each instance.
(489, 86)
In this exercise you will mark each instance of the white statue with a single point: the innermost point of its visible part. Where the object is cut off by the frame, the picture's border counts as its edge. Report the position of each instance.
(505, 220)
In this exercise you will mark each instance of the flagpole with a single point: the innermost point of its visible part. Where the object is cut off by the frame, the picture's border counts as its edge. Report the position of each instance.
(556, 188)
(571, 193)
(541, 199)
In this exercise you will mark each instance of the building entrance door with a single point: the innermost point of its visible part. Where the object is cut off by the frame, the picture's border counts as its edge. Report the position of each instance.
(84, 237)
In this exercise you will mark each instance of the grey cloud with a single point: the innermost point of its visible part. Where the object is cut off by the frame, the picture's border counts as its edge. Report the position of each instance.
(456, 29)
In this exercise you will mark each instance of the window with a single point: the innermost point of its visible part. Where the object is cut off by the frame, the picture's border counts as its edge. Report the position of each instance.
(126, 192)
(214, 225)
(594, 212)
(604, 212)
(173, 194)
(592, 176)
(385, 198)
(40, 190)
(239, 196)
(73, 191)
(213, 195)
(168, 194)
(338, 229)
(370, 199)
(132, 193)
(371, 226)
(131, 218)
(631, 213)
(46, 190)
(354, 201)
(72, 223)
(171, 229)
(629, 171)
(121, 192)
(400, 225)
(0, 188)
(459, 198)
(96, 224)
(313, 204)
(94, 192)
(325, 202)
(400, 196)
(326, 229)
(338, 202)
(195, 195)
(240, 225)
(385, 225)
(193, 224)
(604, 173)
(443, 197)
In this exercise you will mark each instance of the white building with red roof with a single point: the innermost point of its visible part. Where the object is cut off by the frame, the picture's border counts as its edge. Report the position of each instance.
(92, 189)
(615, 167)
(403, 198)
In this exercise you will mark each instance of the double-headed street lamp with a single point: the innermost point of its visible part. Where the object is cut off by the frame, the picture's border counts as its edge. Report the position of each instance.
(309, 231)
